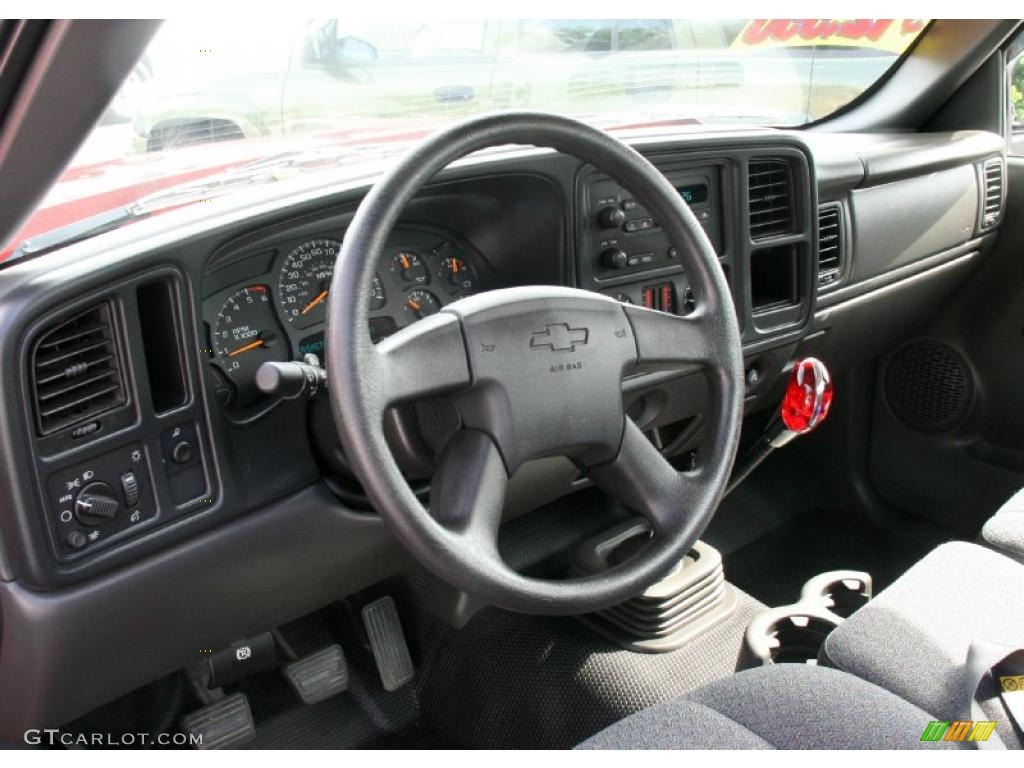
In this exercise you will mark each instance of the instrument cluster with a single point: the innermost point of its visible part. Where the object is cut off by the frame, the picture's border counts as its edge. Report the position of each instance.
(279, 315)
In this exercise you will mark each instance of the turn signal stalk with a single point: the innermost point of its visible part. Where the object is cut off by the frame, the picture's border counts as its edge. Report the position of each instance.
(804, 407)
(292, 380)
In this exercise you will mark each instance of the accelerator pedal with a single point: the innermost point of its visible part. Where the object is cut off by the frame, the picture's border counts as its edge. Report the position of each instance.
(318, 676)
(387, 641)
(224, 724)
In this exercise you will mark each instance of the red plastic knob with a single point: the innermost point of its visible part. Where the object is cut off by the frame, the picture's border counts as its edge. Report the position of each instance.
(808, 396)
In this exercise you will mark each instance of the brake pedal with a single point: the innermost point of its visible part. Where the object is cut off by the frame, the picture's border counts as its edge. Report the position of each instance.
(224, 724)
(387, 641)
(318, 676)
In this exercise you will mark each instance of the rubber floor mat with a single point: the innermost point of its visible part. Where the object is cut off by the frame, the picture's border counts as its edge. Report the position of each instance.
(507, 681)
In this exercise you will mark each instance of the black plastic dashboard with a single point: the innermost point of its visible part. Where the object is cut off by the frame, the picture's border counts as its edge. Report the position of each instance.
(239, 531)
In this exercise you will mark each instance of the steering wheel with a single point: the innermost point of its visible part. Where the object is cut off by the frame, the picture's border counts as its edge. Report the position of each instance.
(533, 372)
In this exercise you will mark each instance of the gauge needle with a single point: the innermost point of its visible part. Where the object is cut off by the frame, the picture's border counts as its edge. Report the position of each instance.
(320, 297)
(247, 347)
(415, 305)
(405, 260)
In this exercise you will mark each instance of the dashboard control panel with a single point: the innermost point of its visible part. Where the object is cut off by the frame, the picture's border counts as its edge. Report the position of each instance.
(112, 496)
(101, 498)
(623, 253)
(620, 236)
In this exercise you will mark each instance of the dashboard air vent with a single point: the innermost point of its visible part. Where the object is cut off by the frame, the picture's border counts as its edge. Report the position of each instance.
(830, 244)
(771, 203)
(76, 372)
(993, 172)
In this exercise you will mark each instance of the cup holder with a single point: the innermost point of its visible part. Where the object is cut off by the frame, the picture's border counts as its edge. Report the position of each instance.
(842, 592)
(794, 634)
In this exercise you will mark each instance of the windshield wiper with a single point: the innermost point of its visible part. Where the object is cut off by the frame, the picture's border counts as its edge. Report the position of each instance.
(257, 172)
(142, 208)
(76, 232)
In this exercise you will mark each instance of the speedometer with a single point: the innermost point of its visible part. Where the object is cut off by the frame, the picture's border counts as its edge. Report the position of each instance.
(304, 281)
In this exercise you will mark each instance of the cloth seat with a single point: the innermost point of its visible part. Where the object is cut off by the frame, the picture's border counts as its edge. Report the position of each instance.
(914, 636)
(1004, 531)
(785, 706)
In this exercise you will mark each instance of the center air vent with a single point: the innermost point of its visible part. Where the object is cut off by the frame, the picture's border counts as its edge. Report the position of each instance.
(76, 373)
(830, 244)
(993, 171)
(771, 202)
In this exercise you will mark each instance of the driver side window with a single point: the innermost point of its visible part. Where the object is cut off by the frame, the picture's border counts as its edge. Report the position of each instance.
(1017, 103)
(1015, 90)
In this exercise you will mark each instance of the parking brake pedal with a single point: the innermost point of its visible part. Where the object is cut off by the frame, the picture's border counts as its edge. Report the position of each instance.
(224, 724)
(319, 676)
(387, 641)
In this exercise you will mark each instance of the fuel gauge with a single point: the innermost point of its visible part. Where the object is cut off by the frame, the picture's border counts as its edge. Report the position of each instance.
(419, 303)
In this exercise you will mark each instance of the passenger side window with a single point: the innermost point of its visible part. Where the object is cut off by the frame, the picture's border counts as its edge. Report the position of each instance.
(415, 40)
(644, 35)
(565, 36)
(712, 33)
(448, 39)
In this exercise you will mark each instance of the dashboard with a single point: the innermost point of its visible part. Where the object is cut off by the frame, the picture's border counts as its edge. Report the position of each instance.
(166, 499)
(277, 313)
(176, 436)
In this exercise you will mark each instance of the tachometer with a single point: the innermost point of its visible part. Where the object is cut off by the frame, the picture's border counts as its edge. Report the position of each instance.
(305, 279)
(245, 335)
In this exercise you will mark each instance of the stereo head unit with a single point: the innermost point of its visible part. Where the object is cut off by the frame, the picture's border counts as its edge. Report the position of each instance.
(622, 239)
(694, 194)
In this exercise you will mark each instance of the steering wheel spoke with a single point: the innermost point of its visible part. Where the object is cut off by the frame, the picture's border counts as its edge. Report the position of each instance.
(670, 341)
(468, 489)
(427, 358)
(644, 480)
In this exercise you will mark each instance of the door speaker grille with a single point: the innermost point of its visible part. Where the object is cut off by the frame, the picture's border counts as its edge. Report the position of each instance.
(928, 386)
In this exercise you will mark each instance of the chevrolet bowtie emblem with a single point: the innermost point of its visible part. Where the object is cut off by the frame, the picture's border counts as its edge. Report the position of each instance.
(559, 337)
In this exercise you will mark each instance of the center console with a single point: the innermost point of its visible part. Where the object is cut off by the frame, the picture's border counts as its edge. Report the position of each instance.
(756, 207)
(625, 254)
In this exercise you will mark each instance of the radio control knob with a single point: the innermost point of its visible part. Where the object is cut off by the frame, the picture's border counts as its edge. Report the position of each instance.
(614, 258)
(611, 217)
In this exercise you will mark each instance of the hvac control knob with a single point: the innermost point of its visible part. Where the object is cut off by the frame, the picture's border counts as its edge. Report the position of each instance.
(614, 258)
(96, 504)
(611, 217)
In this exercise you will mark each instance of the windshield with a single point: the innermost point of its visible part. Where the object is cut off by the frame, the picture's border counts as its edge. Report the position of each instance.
(224, 105)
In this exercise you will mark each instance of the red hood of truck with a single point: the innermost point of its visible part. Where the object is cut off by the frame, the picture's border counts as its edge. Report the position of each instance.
(89, 189)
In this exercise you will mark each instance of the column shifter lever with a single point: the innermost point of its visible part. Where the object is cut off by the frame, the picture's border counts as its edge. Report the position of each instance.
(804, 407)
